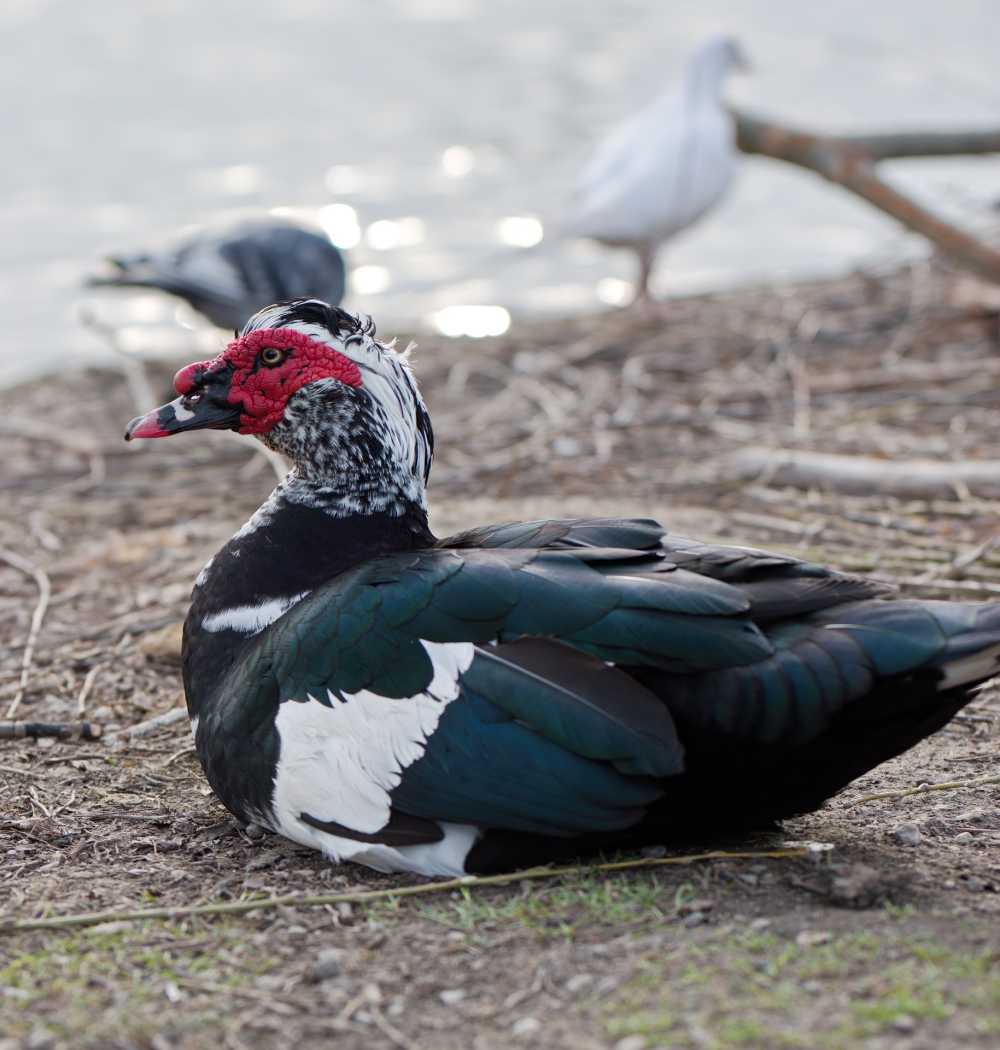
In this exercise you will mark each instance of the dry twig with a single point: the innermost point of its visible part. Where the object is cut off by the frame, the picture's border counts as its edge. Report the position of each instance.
(60, 730)
(44, 594)
(151, 725)
(367, 896)
(924, 789)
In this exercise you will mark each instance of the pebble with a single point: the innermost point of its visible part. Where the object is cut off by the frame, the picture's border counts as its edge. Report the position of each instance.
(451, 996)
(40, 1039)
(164, 645)
(632, 1042)
(578, 982)
(964, 836)
(566, 446)
(698, 904)
(525, 1027)
(907, 835)
(326, 965)
(904, 1023)
(811, 938)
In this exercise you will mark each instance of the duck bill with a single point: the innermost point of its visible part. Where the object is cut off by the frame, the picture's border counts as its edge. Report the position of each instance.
(176, 416)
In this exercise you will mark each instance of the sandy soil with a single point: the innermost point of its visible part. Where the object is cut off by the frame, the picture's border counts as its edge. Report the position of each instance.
(889, 939)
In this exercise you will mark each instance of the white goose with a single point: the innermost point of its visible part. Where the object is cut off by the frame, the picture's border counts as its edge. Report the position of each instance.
(667, 166)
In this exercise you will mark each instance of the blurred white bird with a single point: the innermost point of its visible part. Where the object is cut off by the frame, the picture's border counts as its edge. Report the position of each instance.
(666, 167)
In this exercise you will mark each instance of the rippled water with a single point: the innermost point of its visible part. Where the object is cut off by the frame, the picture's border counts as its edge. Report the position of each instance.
(435, 136)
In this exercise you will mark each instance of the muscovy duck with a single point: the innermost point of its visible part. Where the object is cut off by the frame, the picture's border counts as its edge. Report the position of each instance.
(228, 274)
(665, 168)
(521, 692)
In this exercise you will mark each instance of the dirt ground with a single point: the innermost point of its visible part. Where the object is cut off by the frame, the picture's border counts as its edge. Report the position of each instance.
(891, 938)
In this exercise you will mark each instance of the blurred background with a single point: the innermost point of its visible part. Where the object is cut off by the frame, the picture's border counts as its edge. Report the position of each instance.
(435, 139)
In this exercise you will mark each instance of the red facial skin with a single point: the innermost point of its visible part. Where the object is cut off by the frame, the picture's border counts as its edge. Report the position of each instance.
(262, 393)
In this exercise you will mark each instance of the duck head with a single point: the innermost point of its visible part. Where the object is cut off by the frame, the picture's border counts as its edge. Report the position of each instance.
(311, 382)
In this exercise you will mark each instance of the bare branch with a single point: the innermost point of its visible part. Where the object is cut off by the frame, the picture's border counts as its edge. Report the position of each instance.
(60, 730)
(921, 478)
(849, 161)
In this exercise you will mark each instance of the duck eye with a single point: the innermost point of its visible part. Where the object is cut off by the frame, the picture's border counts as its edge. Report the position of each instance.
(271, 356)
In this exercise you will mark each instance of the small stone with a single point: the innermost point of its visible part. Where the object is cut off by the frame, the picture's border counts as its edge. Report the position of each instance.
(904, 1023)
(964, 836)
(163, 646)
(451, 996)
(526, 1027)
(103, 928)
(632, 1042)
(254, 832)
(760, 924)
(326, 965)
(812, 938)
(578, 982)
(696, 918)
(566, 446)
(698, 904)
(907, 835)
(40, 1039)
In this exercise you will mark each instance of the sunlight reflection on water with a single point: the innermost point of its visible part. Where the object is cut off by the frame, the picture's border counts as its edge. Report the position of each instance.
(474, 321)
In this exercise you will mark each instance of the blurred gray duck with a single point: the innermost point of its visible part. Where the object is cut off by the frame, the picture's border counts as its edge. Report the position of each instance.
(229, 273)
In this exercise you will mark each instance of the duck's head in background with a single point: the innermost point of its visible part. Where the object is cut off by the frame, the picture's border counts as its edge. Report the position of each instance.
(311, 382)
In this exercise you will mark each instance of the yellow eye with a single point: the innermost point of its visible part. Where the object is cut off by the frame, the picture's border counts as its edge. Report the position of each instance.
(271, 356)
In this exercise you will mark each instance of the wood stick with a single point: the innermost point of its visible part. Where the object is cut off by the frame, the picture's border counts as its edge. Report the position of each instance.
(62, 730)
(44, 594)
(924, 789)
(863, 475)
(140, 729)
(849, 161)
(88, 684)
(366, 896)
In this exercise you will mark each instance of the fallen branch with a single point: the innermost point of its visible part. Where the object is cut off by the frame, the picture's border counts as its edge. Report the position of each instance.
(849, 161)
(44, 594)
(925, 789)
(293, 900)
(862, 475)
(61, 730)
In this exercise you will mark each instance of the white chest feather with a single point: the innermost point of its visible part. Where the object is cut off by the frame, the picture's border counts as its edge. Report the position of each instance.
(340, 760)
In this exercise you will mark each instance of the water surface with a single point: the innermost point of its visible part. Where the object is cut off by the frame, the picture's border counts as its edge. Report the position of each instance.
(437, 127)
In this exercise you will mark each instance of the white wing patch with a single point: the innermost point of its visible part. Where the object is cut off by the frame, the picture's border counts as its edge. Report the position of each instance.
(339, 761)
(249, 619)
